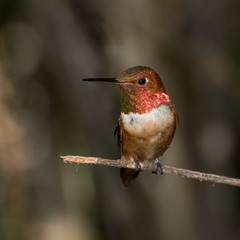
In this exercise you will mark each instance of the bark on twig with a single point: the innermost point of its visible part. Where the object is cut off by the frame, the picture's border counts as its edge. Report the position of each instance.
(150, 167)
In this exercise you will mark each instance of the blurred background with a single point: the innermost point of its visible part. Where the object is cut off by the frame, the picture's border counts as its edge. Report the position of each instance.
(46, 48)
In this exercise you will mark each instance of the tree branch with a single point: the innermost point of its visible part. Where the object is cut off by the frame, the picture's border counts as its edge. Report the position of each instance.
(150, 167)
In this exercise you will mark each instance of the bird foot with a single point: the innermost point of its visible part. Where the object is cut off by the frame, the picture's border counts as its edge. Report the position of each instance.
(137, 165)
(158, 167)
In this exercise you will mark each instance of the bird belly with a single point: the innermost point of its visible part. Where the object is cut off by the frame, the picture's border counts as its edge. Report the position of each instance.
(147, 136)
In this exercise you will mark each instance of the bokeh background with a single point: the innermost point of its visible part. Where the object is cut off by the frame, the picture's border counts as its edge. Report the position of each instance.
(46, 48)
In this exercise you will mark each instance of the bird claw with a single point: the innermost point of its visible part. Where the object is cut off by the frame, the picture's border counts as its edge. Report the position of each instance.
(158, 167)
(137, 165)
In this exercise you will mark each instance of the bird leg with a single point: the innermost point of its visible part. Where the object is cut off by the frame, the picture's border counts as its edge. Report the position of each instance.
(137, 165)
(158, 167)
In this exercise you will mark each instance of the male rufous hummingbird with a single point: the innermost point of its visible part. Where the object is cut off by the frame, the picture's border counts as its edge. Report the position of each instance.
(148, 119)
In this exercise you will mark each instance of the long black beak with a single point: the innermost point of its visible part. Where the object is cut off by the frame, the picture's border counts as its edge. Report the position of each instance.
(113, 80)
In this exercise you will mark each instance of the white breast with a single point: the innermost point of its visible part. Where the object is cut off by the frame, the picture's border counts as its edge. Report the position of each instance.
(157, 119)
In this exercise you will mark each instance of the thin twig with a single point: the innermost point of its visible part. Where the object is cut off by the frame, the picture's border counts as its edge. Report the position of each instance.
(146, 166)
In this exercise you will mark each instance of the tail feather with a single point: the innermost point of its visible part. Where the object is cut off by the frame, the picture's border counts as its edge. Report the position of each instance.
(128, 175)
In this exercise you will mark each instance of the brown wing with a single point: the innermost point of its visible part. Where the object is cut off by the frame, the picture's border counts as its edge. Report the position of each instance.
(127, 175)
(117, 132)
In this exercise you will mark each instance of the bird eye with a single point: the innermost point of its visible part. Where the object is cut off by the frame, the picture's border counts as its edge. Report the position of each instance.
(142, 81)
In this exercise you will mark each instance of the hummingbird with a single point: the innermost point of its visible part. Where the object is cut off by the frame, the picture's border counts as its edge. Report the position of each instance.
(147, 122)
